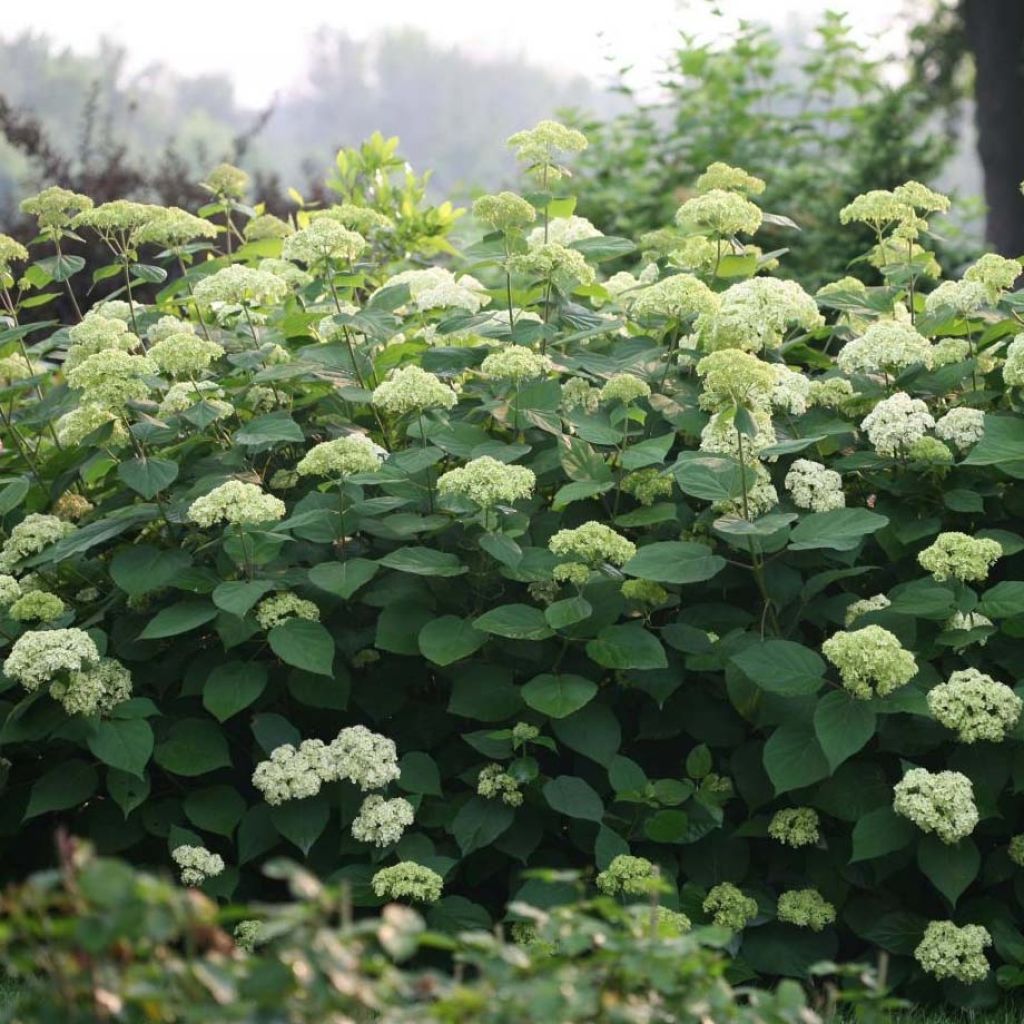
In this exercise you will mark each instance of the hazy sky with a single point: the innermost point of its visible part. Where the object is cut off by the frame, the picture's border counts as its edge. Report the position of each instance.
(264, 47)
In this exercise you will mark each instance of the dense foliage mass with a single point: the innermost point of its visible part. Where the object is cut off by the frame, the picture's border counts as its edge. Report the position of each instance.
(105, 942)
(435, 566)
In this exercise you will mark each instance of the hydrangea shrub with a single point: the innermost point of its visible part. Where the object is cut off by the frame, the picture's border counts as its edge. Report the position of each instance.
(432, 564)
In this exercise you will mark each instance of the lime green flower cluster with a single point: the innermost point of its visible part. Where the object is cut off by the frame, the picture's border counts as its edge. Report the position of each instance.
(236, 502)
(730, 179)
(10, 590)
(647, 485)
(197, 863)
(111, 379)
(624, 388)
(806, 908)
(165, 327)
(591, 544)
(939, 802)
(409, 881)
(172, 228)
(382, 822)
(184, 354)
(975, 706)
(118, 217)
(565, 268)
(721, 213)
(505, 212)
(644, 592)
(863, 606)
(1016, 849)
(795, 826)
(227, 181)
(887, 346)
(494, 782)
(341, 457)
(675, 298)
(54, 208)
(33, 534)
(951, 951)
(324, 240)
(995, 273)
(488, 482)
(515, 363)
(36, 606)
(94, 690)
(248, 934)
(671, 923)
(97, 333)
(871, 661)
(961, 298)
(792, 391)
(729, 908)
(830, 392)
(238, 285)
(37, 658)
(264, 226)
(412, 389)
(539, 148)
(563, 230)
(733, 377)
(16, 367)
(184, 394)
(629, 876)
(756, 314)
(278, 608)
(964, 558)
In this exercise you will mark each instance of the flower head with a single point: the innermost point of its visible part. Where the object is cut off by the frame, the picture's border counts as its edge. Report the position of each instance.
(675, 297)
(806, 908)
(756, 314)
(33, 534)
(963, 298)
(94, 690)
(564, 231)
(438, 288)
(795, 826)
(592, 543)
(266, 225)
(624, 388)
(37, 658)
(236, 502)
(408, 880)
(542, 146)
(382, 822)
(871, 661)
(278, 608)
(975, 706)
(888, 346)
(939, 802)
(227, 181)
(171, 228)
(294, 774)
(896, 423)
(720, 212)
(184, 354)
(515, 363)
(197, 863)
(996, 274)
(238, 285)
(630, 876)
(565, 268)
(864, 606)
(344, 456)
(413, 389)
(364, 758)
(812, 486)
(322, 241)
(494, 782)
(729, 908)
(731, 179)
(36, 606)
(962, 427)
(112, 378)
(951, 951)
(54, 207)
(960, 556)
(488, 482)
(504, 212)
(733, 377)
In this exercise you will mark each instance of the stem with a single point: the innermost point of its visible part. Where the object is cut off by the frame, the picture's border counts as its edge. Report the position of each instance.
(192, 296)
(67, 283)
(430, 473)
(743, 475)
(508, 293)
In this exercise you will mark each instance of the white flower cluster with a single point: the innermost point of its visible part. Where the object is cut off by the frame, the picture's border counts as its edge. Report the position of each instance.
(413, 389)
(364, 758)
(438, 288)
(564, 231)
(962, 427)
(382, 822)
(896, 423)
(197, 863)
(756, 314)
(344, 456)
(33, 534)
(236, 502)
(975, 706)
(939, 802)
(813, 486)
(887, 346)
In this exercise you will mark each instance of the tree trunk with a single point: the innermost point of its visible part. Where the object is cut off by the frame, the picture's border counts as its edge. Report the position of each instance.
(995, 35)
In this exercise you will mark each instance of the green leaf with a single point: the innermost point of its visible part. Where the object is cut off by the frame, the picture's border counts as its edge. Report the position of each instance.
(11, 494)
(216, 809)
(233, 686)
(1003, 600)
(782, 666)
(148, 476)
(193, 746)
(786, 950)
(879, 832)
(123, 744)
(842, 529)
(273, 428)
(61, 268)
(793, 759)
(1003, 441)
(515, 621)
(68, 784)
(449, 639)
(711, 477)
(236, 597)
(627, 646)
(142, 568)
(182, 617)
(674, 561)
(571, 796)
(423, 562)
(567, 612)
(304, 644)
(302, 822)
(843, 726)
(950, 867)
(420, 774)
(558, 696)
(343, 578)
(604, 247)
(593, 731)
(128, 791)
(148, 273)
(479, 822)
(667, 827)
